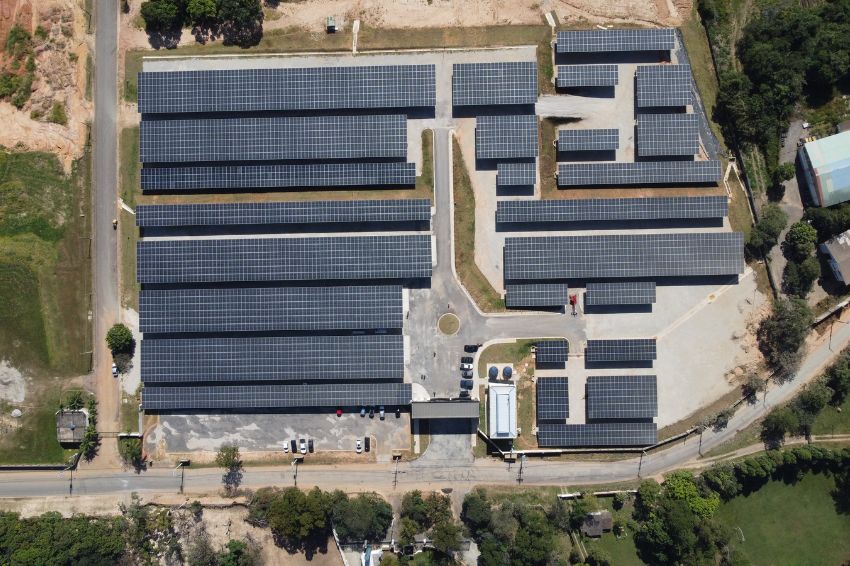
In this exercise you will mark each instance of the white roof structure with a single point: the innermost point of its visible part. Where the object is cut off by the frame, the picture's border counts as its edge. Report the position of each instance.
(502, 410)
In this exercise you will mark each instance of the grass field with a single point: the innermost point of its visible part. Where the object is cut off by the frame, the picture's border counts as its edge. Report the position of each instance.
(790, 525)
(128, 152)
(831, 421)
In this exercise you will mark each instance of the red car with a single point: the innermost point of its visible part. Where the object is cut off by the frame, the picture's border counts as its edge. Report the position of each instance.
(339, 412)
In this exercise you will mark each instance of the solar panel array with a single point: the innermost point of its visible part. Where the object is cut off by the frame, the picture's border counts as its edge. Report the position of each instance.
(253, 177)
(322, 88)
(621, 293)
(552, 399)
(551, 351)
(639, 173)
(625, 350)
(550, 435)
(663, 85)
(624, 256)
(516, 174)
(536, 295)
(599, 41)
(267, 309)
(293, 212)
(607, 139)
(621, 397)
(274, 138)
(614, 209)
(210, 397)
(667, 134)
(289, 358)
(571, 76)
(501, 137)
(487, 84)
(284, 259)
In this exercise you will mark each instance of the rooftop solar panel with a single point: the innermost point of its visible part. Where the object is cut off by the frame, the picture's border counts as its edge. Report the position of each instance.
(252, 177)
(622, 350)
(639, 173)
(667, 134)
(288, 358)
(663, 85)
(516, 174)
(506, 137)
(322, 88)
(293, 212)
(551, 435)
(281, 397)
(536, 295)
(621, 397)
(551, 351)
(609, 210)
(597, 41)
(274, 138)
(621, 293)
(487, 84)
(268, 309)
(571, 76)
(552, 399)
(284, 259)
(588, 140)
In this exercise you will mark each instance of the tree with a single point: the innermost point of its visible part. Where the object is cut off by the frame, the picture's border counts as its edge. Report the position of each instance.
(777, 424)
(754, 385)
(781, 335)
(228, 458)
(800, 241)
(438, 508)
(239, 553)
(241, 21)
(365, 517)
(408, 529)
(535, 539)
(201, 11)
(201, 552)
(598, 557)
(619, 500)
(722, 480)
(493, 552)
(130, 450)
(721, 419)
(445, 536)
(578, 511)
(75, 400)
(682, 486)
(413, 507)
(648, 494)
(161, 15)
(767, 230)
(389, 560)
(476, 513)
(120, 340)
(838, 379)
(784, 172)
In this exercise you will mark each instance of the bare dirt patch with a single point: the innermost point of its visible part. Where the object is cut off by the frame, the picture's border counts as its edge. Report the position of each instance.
(13, 386)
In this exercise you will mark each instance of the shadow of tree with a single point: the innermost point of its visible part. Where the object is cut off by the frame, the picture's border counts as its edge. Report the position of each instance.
(245, 37)
(163, 38)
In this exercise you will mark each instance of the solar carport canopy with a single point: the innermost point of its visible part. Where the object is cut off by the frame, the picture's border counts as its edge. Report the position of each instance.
(598, 41)
(622, 397)
(639, 173)
(284, 259)
(323, 88)
(282, 397)
(624, 256)
(613, 209)
(551, 435)
(274, 138)
(486, 84)
(286, 358)
(268, 309)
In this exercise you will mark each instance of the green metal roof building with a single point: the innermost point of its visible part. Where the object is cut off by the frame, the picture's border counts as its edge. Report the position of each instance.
(826, 168)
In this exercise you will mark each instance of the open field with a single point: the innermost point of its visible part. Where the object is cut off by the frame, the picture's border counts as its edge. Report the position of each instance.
(831, 421)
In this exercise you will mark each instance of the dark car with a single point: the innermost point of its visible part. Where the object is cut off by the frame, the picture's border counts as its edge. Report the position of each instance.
(310, 445)
(464, 394)
(466, 359)
(471, 348)
(372, 413)
(367, 444)
(398, 413)
(467, 374)
(293, 445)
(467, 384)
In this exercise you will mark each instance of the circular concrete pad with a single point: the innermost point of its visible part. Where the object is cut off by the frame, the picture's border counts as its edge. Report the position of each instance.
(448, 324)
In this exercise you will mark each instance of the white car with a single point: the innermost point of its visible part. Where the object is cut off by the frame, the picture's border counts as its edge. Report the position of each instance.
(359, 447)
(465, 366)
(383, 415)
(114, 370)
(286, 447)
(302, 446)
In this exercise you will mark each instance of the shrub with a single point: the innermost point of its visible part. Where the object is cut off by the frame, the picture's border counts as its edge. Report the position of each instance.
(800, 241)
(57, 114)
(120, 339)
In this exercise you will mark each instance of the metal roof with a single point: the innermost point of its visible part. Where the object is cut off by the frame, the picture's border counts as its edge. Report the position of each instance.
(444, 410)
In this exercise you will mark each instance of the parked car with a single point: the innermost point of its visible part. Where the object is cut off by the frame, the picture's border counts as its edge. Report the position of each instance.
(359, 446)
(471, 348)
(286, 447)
(114, 370)
(302, 446)
(464, 394)
(382, 412)
(466, 359)
(371, 412)
(467, 374)
(362, 411)
(368, 443)
(467, 384)
(310, 445)
(397, 413)
(339, 411)
(293, 446)
(466, 366)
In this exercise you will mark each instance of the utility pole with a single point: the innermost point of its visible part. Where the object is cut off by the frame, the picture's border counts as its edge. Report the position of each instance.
(640, 464)
(396, 457)
(295, 463)
(521, 464)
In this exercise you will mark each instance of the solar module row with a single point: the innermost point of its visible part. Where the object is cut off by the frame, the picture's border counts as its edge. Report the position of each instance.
(274, 138)
(667, 134)
(552, 435)
(280, 176)
(284, 259)
(516, 174)
(639, 173)
(614, 209)
(213, 397)
(487, 84)
(571, 76)
(322, 88)
(551, 351)
(626, 256)
(553, 399)
(270, 309)
(506, 137)
(621, 293)
(621, 350)
(607, 139)
(536, 295)
(290, 358)
(621, 397)
(663, 86)
(616, 40)
(293, 212)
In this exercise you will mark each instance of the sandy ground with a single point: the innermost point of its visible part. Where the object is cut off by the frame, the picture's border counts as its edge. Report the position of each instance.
(13, 386)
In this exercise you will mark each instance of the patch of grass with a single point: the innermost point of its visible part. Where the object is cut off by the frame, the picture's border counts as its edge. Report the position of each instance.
(470, 276)
(34, 442)
(480, 448)
(128, 151)
(510, 352)
(425, 181)
(706, 411)
(58, 114)
(271, 15)
(702, 65)
(543, 496)
(89, 76)
(831, 421)
(545, 67)
(129, 417)
(621, 550)
(448, 324)
(747, 437)
(789, 524)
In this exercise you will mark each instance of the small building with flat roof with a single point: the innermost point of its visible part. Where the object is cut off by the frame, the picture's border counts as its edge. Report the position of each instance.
(826, 168)
(71, 426)
(597, 523)
(837, 252)
(502, 411)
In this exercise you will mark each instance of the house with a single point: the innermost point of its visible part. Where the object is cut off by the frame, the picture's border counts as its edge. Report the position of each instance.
(597, 523)
(837, 252)
(71, 426)
(826, 168)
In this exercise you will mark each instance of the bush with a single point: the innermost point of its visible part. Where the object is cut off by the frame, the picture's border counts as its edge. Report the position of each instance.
(777, 424)
(57, 114)
(781, 336)
(799, 278)
(120, 340)
(161, 15)
(130, 450)
(365, 517)
(765, 233)
(799, 242)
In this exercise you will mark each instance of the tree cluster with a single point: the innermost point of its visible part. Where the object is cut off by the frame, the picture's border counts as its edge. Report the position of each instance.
(431, 515)
(765, 233)
(16, 80)
(239, 22)
(234, 553)
(803, 267)
(150, 534)
(130, 450)
(782, 334)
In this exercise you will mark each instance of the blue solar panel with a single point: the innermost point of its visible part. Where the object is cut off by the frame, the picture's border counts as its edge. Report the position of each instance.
(551, 435)
(553, 399)
(501, 137)
(487, 84)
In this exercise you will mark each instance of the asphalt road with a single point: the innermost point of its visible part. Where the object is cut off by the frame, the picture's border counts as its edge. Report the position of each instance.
(104, 209)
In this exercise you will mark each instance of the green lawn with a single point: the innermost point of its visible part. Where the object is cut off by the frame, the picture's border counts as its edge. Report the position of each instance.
(790, 525)
(128, 151)
(830, 421)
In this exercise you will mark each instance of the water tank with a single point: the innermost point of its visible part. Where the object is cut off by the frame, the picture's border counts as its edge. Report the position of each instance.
(507, 372)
